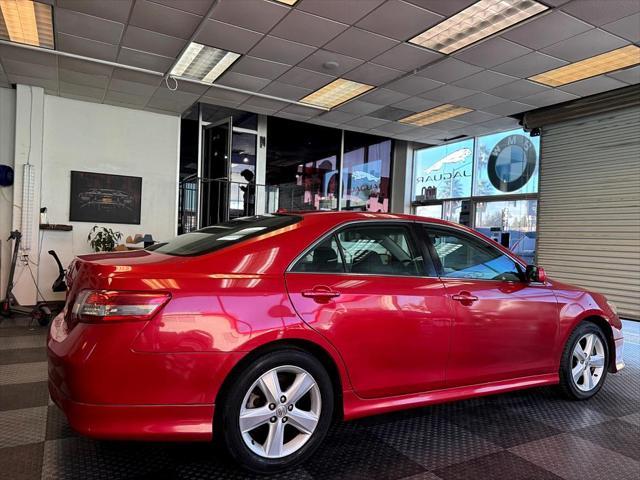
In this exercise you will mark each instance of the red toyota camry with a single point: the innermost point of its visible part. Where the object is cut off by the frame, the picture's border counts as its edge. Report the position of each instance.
(262, 330)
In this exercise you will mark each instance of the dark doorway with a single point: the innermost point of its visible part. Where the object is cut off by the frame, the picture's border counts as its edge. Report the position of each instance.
(216, 149)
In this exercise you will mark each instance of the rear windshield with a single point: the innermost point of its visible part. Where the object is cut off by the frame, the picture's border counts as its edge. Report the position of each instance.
(212, 238)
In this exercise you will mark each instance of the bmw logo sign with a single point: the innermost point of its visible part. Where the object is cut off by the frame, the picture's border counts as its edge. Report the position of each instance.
(512, 163)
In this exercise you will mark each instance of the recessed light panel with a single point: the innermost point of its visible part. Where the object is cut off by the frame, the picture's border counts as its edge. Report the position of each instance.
(24, 21)
(335, 93)
(203, 63)
(476, 22)
(433, 115)
(287, 2)
(590, 67)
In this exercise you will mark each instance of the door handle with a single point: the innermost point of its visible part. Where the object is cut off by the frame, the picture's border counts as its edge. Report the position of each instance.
(465, 298)
(320, 294)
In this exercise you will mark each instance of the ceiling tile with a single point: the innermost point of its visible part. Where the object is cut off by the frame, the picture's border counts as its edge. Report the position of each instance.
(336, 116)
(301, 111)
(132, 88)
(160, 18)
(406, 57)
(591, 86)
(308, 29)
(118, 11)
(28, 69)
(372, 74)
(479, 101)
(278, 89)
(509, 108)
(395, 128)
(81, 98)
(125, 99)
(628, 75)
(82, 90)
(84, 66)
(358, 107)
(304, 78)
(485, 80)
(413, 85)
(382, 96)
(259, 68)
(339, 10)
(280, 50)
(415, 104)
(136, 58)
(492, 52)
(391, 113)
(199, 7)
(264, 103)
(256, 15)
(447, 125)
(87, 26)
(228, 37)
(148, 41)
(291, 116)
(173, 101)
(518, 89)
(530, 64)
(223, 97)
(449, 70)
(80, 78)
(399, 20)
(548, 97)
(30, 56)
(245, 82)
(86, 47)
(547, 30)
(476, 116)
(317, 60)
(367, 122)
(188, 87)
(500, 124)
(447, 93)
(50, 85)
(587, 44)
(139, 77)
(360, 43)
(627, 27)
(443, 7)
(599, 12)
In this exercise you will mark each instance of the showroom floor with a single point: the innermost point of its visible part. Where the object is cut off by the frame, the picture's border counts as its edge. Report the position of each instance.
(525, 435)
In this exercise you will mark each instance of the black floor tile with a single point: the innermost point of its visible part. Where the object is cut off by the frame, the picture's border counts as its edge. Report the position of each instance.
(615, 435)
(23, 355)
(20, 330)
(57, 425)
(23, 462)
(23, 395)
(496, 465)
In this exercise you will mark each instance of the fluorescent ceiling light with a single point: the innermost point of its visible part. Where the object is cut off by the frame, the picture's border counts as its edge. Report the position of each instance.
(336, 92)
(287, 2)
(24, 21)
(203, 63)
(433, 115)
(590, 67)
(476, 22)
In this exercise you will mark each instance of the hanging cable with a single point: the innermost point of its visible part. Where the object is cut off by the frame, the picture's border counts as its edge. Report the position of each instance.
(166, 81)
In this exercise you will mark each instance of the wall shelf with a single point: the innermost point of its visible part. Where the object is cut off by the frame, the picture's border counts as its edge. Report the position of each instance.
(56, 227)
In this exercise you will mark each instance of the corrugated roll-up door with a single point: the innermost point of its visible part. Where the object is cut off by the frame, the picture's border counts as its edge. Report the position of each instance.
(589, 207)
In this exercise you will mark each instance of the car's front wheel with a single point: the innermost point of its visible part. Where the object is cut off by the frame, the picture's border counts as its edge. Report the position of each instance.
(584, 363)
(277, 411)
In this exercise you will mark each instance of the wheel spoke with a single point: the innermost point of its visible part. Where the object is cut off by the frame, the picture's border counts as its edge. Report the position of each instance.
(274, 443)
(587, 379)
(270, 386)
(304, 421)
(300, 386)
(252, 418)
(578, 352)
(577, 372)
(597, 361)
(588, 349)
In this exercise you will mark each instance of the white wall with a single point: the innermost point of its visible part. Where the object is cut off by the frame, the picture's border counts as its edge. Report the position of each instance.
(105, 139)
(7, 134)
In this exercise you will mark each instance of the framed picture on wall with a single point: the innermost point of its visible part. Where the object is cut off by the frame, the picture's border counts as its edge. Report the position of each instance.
(99, 197)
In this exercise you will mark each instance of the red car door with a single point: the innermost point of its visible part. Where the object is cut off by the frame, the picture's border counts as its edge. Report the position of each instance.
(368, 291)
(505, 327)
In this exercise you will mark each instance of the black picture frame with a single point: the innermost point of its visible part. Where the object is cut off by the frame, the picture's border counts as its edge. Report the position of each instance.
(105, 198)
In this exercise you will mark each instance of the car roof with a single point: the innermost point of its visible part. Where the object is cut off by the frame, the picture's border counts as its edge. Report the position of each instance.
(334, 217)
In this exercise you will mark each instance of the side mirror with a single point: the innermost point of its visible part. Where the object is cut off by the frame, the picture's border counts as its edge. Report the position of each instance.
(536, 274)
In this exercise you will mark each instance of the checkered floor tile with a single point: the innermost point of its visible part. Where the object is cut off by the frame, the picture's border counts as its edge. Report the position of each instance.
(532, 434)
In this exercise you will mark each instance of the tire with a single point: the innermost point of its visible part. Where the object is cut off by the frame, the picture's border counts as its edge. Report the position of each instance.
(570, 363)
(252, 449)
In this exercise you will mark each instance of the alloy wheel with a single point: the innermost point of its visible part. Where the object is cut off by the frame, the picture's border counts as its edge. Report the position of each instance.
(587, 362)
(280, 412)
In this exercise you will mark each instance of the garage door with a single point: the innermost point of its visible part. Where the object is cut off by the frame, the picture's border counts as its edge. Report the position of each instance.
(589, 210)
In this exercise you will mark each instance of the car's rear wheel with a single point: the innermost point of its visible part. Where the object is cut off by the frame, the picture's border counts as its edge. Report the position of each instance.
(585, 360)
(277, 411)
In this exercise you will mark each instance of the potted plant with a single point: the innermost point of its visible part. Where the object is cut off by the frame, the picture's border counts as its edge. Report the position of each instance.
(103, 239)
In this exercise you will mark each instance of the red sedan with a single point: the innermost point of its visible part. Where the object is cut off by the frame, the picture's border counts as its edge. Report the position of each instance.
(263, 329)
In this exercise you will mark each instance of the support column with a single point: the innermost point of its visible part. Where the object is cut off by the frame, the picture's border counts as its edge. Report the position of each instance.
(401, 177)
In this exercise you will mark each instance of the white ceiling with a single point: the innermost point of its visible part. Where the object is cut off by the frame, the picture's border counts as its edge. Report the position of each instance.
(284, 50)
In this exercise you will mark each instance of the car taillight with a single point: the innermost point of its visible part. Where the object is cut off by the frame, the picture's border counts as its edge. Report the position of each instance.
(93, 306)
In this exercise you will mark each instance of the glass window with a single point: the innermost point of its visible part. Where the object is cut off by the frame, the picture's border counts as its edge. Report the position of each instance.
(443, 172)
(243, 171)
(462, 256)
(224, 234)
(379, 250)
(324, 258)
(366, 168)
(431, 211)
(506, 163)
